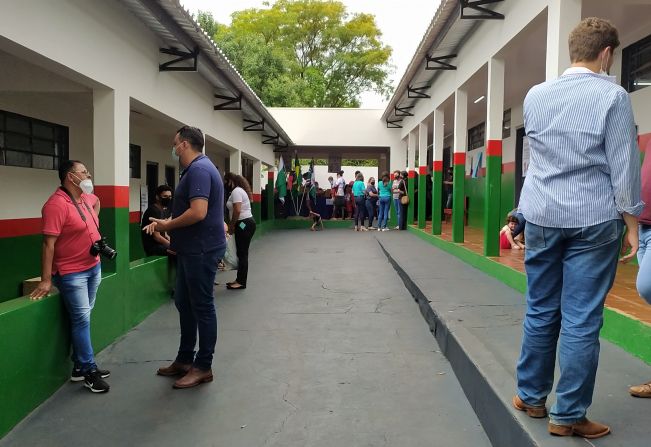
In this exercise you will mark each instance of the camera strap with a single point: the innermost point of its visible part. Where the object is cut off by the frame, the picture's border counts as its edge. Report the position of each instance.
(81, 214)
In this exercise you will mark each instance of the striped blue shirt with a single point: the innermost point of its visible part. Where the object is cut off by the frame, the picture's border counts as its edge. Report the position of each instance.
(585, 165)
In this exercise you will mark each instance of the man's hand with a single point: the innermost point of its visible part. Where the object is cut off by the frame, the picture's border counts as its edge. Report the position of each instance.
(159, 225)
(631, 241)
(42, 290)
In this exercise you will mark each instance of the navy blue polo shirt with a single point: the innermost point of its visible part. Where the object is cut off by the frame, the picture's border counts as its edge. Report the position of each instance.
(199, 180)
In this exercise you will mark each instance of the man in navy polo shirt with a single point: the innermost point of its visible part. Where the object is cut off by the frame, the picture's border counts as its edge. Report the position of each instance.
(197, 236)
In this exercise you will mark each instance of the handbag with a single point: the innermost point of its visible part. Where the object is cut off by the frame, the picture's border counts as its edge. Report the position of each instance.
(404, 200)
(230, 256)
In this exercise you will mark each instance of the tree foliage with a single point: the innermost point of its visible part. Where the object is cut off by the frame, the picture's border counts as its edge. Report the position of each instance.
(305, 53)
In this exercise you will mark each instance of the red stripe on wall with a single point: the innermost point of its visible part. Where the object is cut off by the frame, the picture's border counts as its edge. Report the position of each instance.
(257, 198)
(460, 158)
(508, 167)
(482, 172)
(412, 174)
(270, 175)
(494, 148)
(134, 217)
(20, 227)
(437, 166)
(422, 170)
(113, 196)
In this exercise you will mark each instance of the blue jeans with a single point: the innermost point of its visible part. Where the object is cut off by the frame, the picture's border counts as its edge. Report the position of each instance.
(397, 206)
(370, 210)
(78, 291)
(569, 274)
(644, 272)
(195, 277)
(383, 214)
(360, 210)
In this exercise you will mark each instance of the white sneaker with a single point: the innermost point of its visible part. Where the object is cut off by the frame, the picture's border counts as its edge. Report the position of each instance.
(385, 229)
(379, 229)
(364, 229)
(397, 227)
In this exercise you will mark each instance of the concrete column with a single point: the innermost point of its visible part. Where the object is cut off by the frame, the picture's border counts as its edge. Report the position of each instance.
(269, 188)
(437, 171)
(459, 162)
(256, 189)
(494, 124)
(235, 161)
(111, 171)
(422, 174)
(411, 171)
(562, 17)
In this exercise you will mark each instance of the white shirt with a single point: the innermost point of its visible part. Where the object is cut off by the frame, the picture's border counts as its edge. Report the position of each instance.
(341, 183)
(239, 196)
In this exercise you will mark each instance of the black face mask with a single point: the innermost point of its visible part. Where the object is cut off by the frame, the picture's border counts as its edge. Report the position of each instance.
(166, 201)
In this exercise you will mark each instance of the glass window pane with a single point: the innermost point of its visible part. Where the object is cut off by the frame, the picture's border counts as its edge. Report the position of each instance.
(43, 146)
(18, 159)
(19, 142)
(18, 124)
(43, 161)
(42, 130)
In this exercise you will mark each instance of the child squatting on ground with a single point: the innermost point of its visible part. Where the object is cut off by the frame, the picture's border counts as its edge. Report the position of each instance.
(506, 235)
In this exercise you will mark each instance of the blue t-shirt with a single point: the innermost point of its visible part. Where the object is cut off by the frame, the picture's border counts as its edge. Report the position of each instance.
(358, 188)
(385, 191)
(200, 180)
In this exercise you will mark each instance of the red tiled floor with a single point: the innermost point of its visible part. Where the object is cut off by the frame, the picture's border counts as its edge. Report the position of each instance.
(623, 297)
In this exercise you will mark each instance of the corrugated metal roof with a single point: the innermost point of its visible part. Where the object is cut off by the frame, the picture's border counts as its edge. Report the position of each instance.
(176, 27)
(444, 36)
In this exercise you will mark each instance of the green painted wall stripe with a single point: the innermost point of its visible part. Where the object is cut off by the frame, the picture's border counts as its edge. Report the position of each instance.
(437, 199)
(411, 182)
(422, 201)
(629, 334)
(492, 217)
(458, 202)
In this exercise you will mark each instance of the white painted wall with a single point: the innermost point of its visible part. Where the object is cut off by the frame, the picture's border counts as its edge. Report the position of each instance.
(321, 174)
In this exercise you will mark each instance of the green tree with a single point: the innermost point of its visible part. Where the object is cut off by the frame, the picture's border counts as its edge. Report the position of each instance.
(305, 53)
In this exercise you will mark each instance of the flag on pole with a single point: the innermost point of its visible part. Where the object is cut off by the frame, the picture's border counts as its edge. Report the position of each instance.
(297, 169)
(312, 180)
(281, 181)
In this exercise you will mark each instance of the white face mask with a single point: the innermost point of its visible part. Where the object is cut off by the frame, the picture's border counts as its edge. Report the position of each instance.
(174, 155)
(603, 72)
(86, 186)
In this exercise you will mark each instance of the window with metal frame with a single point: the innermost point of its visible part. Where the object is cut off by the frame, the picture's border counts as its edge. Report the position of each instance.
(477, 136)
(31, 143)
(134, 161)
(636, 65)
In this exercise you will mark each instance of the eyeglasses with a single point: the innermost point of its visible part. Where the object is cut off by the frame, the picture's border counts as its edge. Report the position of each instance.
(81, 172)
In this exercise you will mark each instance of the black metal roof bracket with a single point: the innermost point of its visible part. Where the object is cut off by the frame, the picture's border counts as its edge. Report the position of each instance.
(181, 57)
(417, 92)
(440, 64)
(254, 126)
(403, 111)
(281, 147)
(393, 124)
(483, 13)
(229, 102)
(270, 139)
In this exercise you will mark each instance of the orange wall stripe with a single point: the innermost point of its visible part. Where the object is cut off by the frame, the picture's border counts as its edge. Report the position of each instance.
(20, 227)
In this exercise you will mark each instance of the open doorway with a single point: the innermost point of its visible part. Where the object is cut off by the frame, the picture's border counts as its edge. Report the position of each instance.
(152, 180)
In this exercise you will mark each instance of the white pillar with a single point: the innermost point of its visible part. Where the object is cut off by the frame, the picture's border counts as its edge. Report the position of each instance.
(460, 126)
(257, 169)
(422, 148)
(495, 99)
(438, 134)
(111, 138)
(398, 156)
(411, 151)
(235, 161)
(562, 17)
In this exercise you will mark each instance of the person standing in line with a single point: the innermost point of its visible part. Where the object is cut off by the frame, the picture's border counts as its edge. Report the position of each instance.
(384, 187)
(644, 258)
(197, 237)
(402, 189)
(371, 202)
(71, 260)
(339, 192)
(395, 190)
(359, 192)
(241, 224)
(448, 184)
(581, 189)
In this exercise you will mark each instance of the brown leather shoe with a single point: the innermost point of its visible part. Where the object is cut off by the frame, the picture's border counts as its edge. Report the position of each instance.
(533, 411)
(643, 390)
(175, 369)
(586, 429)
(194, 377)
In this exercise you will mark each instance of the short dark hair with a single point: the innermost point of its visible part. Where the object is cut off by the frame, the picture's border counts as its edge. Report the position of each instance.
(340, 172)
(192, 135)
(162, 188)
(65, 167)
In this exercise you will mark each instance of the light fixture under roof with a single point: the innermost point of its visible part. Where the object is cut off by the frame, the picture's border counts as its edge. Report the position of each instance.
(481, 98)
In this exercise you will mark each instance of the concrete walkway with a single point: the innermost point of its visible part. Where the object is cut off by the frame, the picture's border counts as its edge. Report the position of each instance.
(325, 347)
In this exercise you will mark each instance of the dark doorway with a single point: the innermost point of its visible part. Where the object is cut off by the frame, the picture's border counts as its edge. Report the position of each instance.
(520, 136)
(152, 180)
(170, 176)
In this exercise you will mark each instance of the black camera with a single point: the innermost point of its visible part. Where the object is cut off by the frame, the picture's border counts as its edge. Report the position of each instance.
(100, 247)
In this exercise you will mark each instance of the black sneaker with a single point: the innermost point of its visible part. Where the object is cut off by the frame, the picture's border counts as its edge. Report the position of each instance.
(94, 382)
(77, 376)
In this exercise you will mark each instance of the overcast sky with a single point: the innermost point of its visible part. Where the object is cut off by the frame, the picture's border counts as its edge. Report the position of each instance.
(402, 24)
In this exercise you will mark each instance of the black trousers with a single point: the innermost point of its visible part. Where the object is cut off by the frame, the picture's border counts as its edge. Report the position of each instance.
(403, 216)
(339, 206)
(244, 231)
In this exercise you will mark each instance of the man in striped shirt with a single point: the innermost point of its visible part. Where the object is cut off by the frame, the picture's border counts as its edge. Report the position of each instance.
(581, 189)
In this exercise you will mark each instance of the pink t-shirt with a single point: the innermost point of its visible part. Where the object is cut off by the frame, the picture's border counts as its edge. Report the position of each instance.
(72, 247)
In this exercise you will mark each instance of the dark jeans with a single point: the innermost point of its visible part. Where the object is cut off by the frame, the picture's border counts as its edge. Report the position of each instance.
(339, 207)
(519, 228)
(244, 230)
(370, 210)
(360, 210)
(194, 301)
(403, 216)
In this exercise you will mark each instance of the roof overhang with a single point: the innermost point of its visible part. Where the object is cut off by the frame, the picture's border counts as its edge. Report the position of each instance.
(177, 29)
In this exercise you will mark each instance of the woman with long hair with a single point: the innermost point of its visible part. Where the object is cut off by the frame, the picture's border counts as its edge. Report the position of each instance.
(241, 224)
(384, 188)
